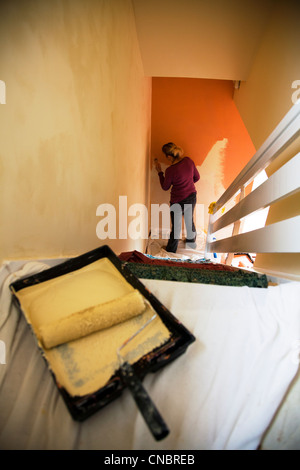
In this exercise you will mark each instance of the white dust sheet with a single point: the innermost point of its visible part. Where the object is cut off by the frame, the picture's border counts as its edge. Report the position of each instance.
(221, 394)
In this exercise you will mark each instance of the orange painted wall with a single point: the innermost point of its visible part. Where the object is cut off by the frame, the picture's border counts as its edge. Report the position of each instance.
(195, 114)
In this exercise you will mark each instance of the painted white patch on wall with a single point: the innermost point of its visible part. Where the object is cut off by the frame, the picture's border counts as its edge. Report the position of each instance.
(210, 186)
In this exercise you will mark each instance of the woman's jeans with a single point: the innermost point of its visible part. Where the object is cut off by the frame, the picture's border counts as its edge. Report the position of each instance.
(185, 208)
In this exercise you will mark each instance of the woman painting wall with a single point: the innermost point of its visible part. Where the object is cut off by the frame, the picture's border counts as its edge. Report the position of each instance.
(181, 177)
(201, 117)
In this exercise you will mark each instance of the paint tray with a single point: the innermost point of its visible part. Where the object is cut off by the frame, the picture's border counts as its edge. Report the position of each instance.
(179, 338)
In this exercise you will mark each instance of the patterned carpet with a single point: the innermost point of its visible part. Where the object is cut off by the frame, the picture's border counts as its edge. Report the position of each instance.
(200, 272)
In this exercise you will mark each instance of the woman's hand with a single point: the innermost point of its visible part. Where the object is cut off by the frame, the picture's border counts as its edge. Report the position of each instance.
(157, 165)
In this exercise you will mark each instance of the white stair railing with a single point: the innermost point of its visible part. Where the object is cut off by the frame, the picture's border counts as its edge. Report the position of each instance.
(280, 237)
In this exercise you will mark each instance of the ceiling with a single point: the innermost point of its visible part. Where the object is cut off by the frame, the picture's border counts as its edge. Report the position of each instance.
(216, 39)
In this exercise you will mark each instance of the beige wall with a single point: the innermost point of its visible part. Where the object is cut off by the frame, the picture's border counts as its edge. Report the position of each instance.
(200, 38)
(264, 100)
(266, 96)
(75, 129)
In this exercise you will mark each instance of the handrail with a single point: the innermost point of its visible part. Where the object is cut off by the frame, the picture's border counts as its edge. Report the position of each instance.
(283, 183)
(286, 131)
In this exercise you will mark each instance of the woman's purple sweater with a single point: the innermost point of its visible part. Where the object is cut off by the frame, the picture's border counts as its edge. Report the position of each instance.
(181, 176)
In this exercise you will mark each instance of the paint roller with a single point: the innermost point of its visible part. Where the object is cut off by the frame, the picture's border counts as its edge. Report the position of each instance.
(156, 162)
(79, 324)
(89, 320)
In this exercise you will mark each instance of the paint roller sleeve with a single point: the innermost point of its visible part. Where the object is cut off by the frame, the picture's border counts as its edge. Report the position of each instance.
(89, 320)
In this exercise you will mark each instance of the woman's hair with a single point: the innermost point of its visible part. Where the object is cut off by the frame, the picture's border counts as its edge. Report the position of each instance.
(173, 150)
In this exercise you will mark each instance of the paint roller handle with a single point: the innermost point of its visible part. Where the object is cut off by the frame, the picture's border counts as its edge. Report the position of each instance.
(149, 411)
(157, 165)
